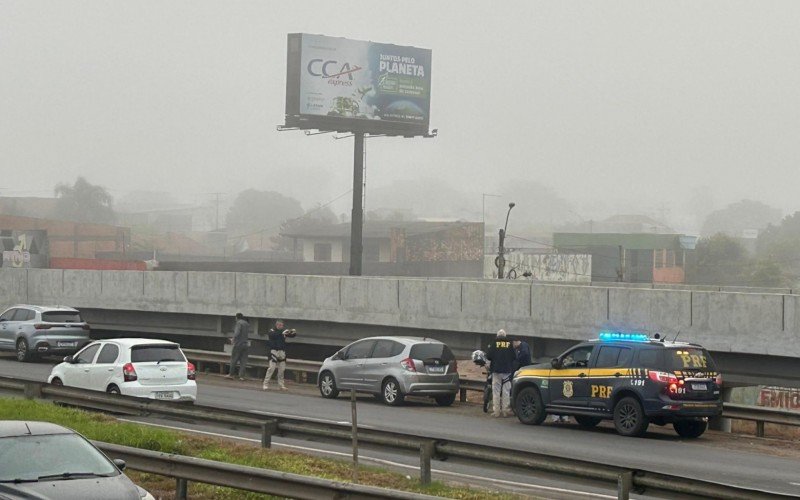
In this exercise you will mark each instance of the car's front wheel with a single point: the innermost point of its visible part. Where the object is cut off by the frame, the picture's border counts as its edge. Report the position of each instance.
(57, 382)
(23, 352)
(690, 428)
(391, 393)
(529, 407)
(113, 389)
(327, 386)
(629, 417)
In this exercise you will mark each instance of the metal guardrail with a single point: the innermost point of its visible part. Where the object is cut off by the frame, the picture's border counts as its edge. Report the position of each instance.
(242, 477)
(429, 446)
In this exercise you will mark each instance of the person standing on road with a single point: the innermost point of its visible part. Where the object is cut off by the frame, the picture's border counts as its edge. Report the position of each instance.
(502, 356)
(276, 343)
(523, 353)
(241, 346)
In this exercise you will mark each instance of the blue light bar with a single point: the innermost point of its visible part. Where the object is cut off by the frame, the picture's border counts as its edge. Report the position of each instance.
(630, 337)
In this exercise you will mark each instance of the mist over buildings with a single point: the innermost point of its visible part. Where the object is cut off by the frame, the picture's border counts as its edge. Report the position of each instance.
(574, 111)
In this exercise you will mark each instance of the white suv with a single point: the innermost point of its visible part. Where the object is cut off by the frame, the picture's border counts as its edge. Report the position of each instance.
(145, 368)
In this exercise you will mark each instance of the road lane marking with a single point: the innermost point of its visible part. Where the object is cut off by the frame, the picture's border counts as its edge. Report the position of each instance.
(380, 461)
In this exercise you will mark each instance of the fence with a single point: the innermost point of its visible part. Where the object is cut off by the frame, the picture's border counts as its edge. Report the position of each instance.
(428, 446)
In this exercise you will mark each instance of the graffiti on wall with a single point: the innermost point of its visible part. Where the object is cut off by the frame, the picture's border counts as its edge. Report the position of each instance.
(574, 268)
(780, 397)
(451, 243)
(24, 249)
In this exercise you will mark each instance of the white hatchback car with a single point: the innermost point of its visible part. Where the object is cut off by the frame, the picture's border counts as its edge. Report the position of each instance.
(145, 368)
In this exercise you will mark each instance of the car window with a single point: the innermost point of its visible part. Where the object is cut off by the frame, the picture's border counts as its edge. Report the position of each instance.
(6, 316)
(108, 354)
(23, 315)
(156, 353)
(61, 317)
(612, 356)
(648, 358)
(686, 358)
(28, 457)
(383, 349)
(431, 351)
(359, 350)
(577, 358)
(87, 355)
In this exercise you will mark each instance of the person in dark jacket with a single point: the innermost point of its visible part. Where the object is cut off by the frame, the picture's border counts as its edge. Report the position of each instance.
(241, 346)
(276, 344)
(502, 357)
(523, 352)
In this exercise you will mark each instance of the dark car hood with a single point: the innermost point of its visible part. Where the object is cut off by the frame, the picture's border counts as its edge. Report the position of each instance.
(97, 488)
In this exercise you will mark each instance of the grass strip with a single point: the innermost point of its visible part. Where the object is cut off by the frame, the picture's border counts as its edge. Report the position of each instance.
(101, 427)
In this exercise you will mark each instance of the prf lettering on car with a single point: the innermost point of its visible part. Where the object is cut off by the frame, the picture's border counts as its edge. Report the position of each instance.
(602, 391)
(692, 360)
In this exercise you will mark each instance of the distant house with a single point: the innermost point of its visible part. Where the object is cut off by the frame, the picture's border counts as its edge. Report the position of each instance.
(631, 257)
(392, 241)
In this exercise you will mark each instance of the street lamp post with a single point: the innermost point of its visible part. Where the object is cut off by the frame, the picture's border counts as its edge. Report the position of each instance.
(501, 261)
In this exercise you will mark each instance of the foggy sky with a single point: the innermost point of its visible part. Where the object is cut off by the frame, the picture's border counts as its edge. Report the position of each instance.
(615, 106)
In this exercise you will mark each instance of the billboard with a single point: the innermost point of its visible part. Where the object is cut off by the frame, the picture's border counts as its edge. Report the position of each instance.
(355, 86)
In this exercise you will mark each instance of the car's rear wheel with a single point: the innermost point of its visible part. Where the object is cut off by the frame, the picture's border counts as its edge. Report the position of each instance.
(57, 382)
(23, 353)
(391, 393)
(327, 386)
(113, 389)
(446, 400)
(690, 428)
(529, 407)
(629, 417)
(587, 422)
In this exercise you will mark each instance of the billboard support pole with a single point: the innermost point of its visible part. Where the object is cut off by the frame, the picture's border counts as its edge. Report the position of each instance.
(357, 218)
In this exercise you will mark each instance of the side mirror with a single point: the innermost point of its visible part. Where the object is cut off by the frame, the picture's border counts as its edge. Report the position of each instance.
(3, 319)
(120, 463)
(555, 363)
(68, 359)
(337, 355)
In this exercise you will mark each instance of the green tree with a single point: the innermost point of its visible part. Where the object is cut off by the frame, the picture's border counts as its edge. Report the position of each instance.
(722, 260)
(84, 202)
(255, 210)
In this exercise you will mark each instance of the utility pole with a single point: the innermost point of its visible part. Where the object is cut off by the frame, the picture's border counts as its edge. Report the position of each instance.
(501, 260)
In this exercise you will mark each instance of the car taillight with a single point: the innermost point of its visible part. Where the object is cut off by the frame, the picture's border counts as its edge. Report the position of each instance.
(408, 365)
(191, 373)
(674, 386)
(129, 372)
(663, 377)
(718, 380)
(86, 326)
(455, 365)
(42, 326)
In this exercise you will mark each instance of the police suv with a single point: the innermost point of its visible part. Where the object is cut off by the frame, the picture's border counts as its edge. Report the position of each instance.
(628, 377)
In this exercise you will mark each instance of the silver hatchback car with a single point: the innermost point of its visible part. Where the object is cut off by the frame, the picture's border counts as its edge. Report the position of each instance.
(391, 368)
(42, 331)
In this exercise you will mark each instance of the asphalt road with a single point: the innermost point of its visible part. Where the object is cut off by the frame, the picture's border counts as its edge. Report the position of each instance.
(713, 457)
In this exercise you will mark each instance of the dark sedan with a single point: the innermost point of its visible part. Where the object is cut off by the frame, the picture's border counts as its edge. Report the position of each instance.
(41, 460)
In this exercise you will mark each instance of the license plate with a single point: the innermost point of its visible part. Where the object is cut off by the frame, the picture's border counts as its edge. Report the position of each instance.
(699, 387)
(67, 344)
(164, 395)
(436, 369)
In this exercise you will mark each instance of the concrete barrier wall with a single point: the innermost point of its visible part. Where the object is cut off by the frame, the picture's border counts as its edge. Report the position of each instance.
(751, 323)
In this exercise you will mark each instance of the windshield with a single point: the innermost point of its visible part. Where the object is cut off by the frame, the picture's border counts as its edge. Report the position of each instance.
(155, 353)
(30, 457)
(61, 317)
(689, 358)
(429, 351)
